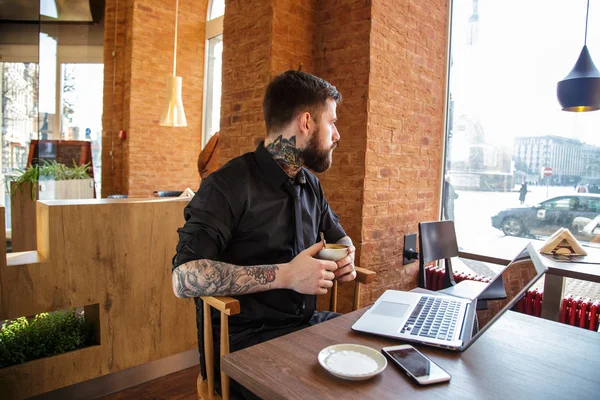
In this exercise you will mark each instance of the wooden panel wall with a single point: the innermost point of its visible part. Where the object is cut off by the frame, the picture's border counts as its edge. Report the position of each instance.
(22, 219)
(114, 253)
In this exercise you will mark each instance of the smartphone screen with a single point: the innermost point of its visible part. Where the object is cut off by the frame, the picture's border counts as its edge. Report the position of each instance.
(421, 368)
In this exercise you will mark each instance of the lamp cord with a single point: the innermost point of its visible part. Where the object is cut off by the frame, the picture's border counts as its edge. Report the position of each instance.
(175, 46)
(587, 14)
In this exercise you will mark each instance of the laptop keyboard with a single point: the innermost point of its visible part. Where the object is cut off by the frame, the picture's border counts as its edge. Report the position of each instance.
(433, 317)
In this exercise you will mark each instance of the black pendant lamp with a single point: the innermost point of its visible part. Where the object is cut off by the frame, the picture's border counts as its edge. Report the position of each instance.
(580, 90)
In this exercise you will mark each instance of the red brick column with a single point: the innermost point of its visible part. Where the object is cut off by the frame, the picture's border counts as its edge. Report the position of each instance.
(342, 58)
(294, 35)
(117, 82)
(407, 87)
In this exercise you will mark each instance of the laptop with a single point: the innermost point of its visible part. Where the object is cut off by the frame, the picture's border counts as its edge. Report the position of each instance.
(447, 321)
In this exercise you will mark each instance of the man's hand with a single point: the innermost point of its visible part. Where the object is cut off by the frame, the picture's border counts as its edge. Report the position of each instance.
(308, 275)
(345, 271)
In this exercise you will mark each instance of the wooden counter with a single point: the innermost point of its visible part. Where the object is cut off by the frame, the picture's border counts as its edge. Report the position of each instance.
(113, 257)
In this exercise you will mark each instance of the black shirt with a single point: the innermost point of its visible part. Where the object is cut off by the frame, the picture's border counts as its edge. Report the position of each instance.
(245, 214)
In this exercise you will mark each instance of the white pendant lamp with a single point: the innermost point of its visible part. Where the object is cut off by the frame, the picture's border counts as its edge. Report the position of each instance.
(172, 113)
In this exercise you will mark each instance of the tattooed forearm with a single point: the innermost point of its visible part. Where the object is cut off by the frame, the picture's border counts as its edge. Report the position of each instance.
(263, 274)
(286, 154)
(214, 278)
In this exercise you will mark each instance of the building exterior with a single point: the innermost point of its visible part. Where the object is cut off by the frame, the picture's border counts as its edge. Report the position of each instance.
(563, 155)
(591, 163)
(18, 113)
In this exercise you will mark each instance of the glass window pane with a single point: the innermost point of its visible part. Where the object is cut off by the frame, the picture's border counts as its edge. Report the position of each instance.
(18, 83)
(18, 113)
(213, 89)
(505, 125)
(47, 87)
(82, 89)
(217, 9)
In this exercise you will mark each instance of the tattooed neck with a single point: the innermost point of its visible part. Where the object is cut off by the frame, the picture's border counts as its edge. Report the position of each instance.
(286, 154)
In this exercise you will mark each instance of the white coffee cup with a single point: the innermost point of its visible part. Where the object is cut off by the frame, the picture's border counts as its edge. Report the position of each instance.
(333, 252)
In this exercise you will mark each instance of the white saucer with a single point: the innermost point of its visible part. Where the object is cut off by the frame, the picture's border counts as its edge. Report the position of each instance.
(352, 361)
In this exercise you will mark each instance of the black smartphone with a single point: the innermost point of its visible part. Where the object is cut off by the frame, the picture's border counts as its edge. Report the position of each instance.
(416, 365)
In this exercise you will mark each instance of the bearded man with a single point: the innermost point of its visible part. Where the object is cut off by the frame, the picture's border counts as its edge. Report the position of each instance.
(252, 229)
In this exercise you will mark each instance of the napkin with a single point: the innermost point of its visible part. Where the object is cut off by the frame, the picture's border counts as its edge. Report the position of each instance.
(562, 242)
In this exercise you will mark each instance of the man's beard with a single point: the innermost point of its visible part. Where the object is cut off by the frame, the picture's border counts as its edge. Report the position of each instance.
(314, 158)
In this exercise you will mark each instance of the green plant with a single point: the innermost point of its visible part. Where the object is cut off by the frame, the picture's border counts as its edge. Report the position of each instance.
(45, 335)
(30, 175)
(50, 170)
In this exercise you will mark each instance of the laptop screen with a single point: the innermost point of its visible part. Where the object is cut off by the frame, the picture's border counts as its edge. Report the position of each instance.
(520, 275)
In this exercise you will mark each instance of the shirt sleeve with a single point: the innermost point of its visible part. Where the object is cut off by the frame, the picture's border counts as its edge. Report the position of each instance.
(209, 222)
(330, 222)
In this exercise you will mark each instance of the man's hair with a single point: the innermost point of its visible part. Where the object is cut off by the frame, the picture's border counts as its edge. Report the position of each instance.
(294, 92)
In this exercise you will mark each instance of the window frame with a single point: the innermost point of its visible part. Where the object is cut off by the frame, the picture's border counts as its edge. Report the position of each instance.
(479, 252)
(65, 54)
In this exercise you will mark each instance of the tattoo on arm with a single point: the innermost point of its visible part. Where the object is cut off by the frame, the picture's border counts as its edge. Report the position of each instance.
(215, 278)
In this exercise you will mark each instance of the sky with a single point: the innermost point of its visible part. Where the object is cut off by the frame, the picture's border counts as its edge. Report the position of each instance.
(507, 80)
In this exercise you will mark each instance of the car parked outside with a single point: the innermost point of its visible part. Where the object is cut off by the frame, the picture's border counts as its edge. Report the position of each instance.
(573, 212)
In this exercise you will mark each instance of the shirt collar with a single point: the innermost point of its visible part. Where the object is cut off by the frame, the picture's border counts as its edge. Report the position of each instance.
(274, 173)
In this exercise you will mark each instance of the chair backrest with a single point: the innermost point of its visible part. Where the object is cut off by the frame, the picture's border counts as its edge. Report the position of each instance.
(437, 241)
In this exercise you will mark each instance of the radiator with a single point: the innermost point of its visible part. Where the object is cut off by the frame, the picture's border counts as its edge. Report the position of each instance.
(577, 311)
(435, 277)
(574, 310)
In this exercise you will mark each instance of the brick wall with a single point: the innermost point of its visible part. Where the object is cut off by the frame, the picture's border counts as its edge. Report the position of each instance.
(117, 77)
(342, 58)
(152, 157)
(405, 127)
(246, 72)
(294, 34)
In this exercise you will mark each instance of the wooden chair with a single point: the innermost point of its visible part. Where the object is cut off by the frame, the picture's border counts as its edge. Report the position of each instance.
(229, 306)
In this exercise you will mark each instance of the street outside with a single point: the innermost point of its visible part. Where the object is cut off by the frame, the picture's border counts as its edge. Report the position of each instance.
(473, 211)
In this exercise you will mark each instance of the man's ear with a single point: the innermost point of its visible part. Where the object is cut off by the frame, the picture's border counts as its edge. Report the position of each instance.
(305, 122)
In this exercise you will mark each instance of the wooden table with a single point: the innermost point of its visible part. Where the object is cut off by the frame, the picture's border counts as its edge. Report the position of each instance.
(554, 281)
(520, 357)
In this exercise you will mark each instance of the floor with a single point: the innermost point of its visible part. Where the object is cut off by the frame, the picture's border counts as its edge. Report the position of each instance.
(177, 386)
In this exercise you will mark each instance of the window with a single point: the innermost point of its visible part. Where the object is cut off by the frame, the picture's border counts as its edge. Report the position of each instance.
(51, 79)
(593, 205)
(18, 83)
(214, 55)
(504, 123)
(566, 203)
(212, 105)
(81, 110)
(216, 9)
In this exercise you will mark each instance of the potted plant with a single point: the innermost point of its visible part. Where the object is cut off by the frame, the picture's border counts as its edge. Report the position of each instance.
(50, 181)
(53, 181)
